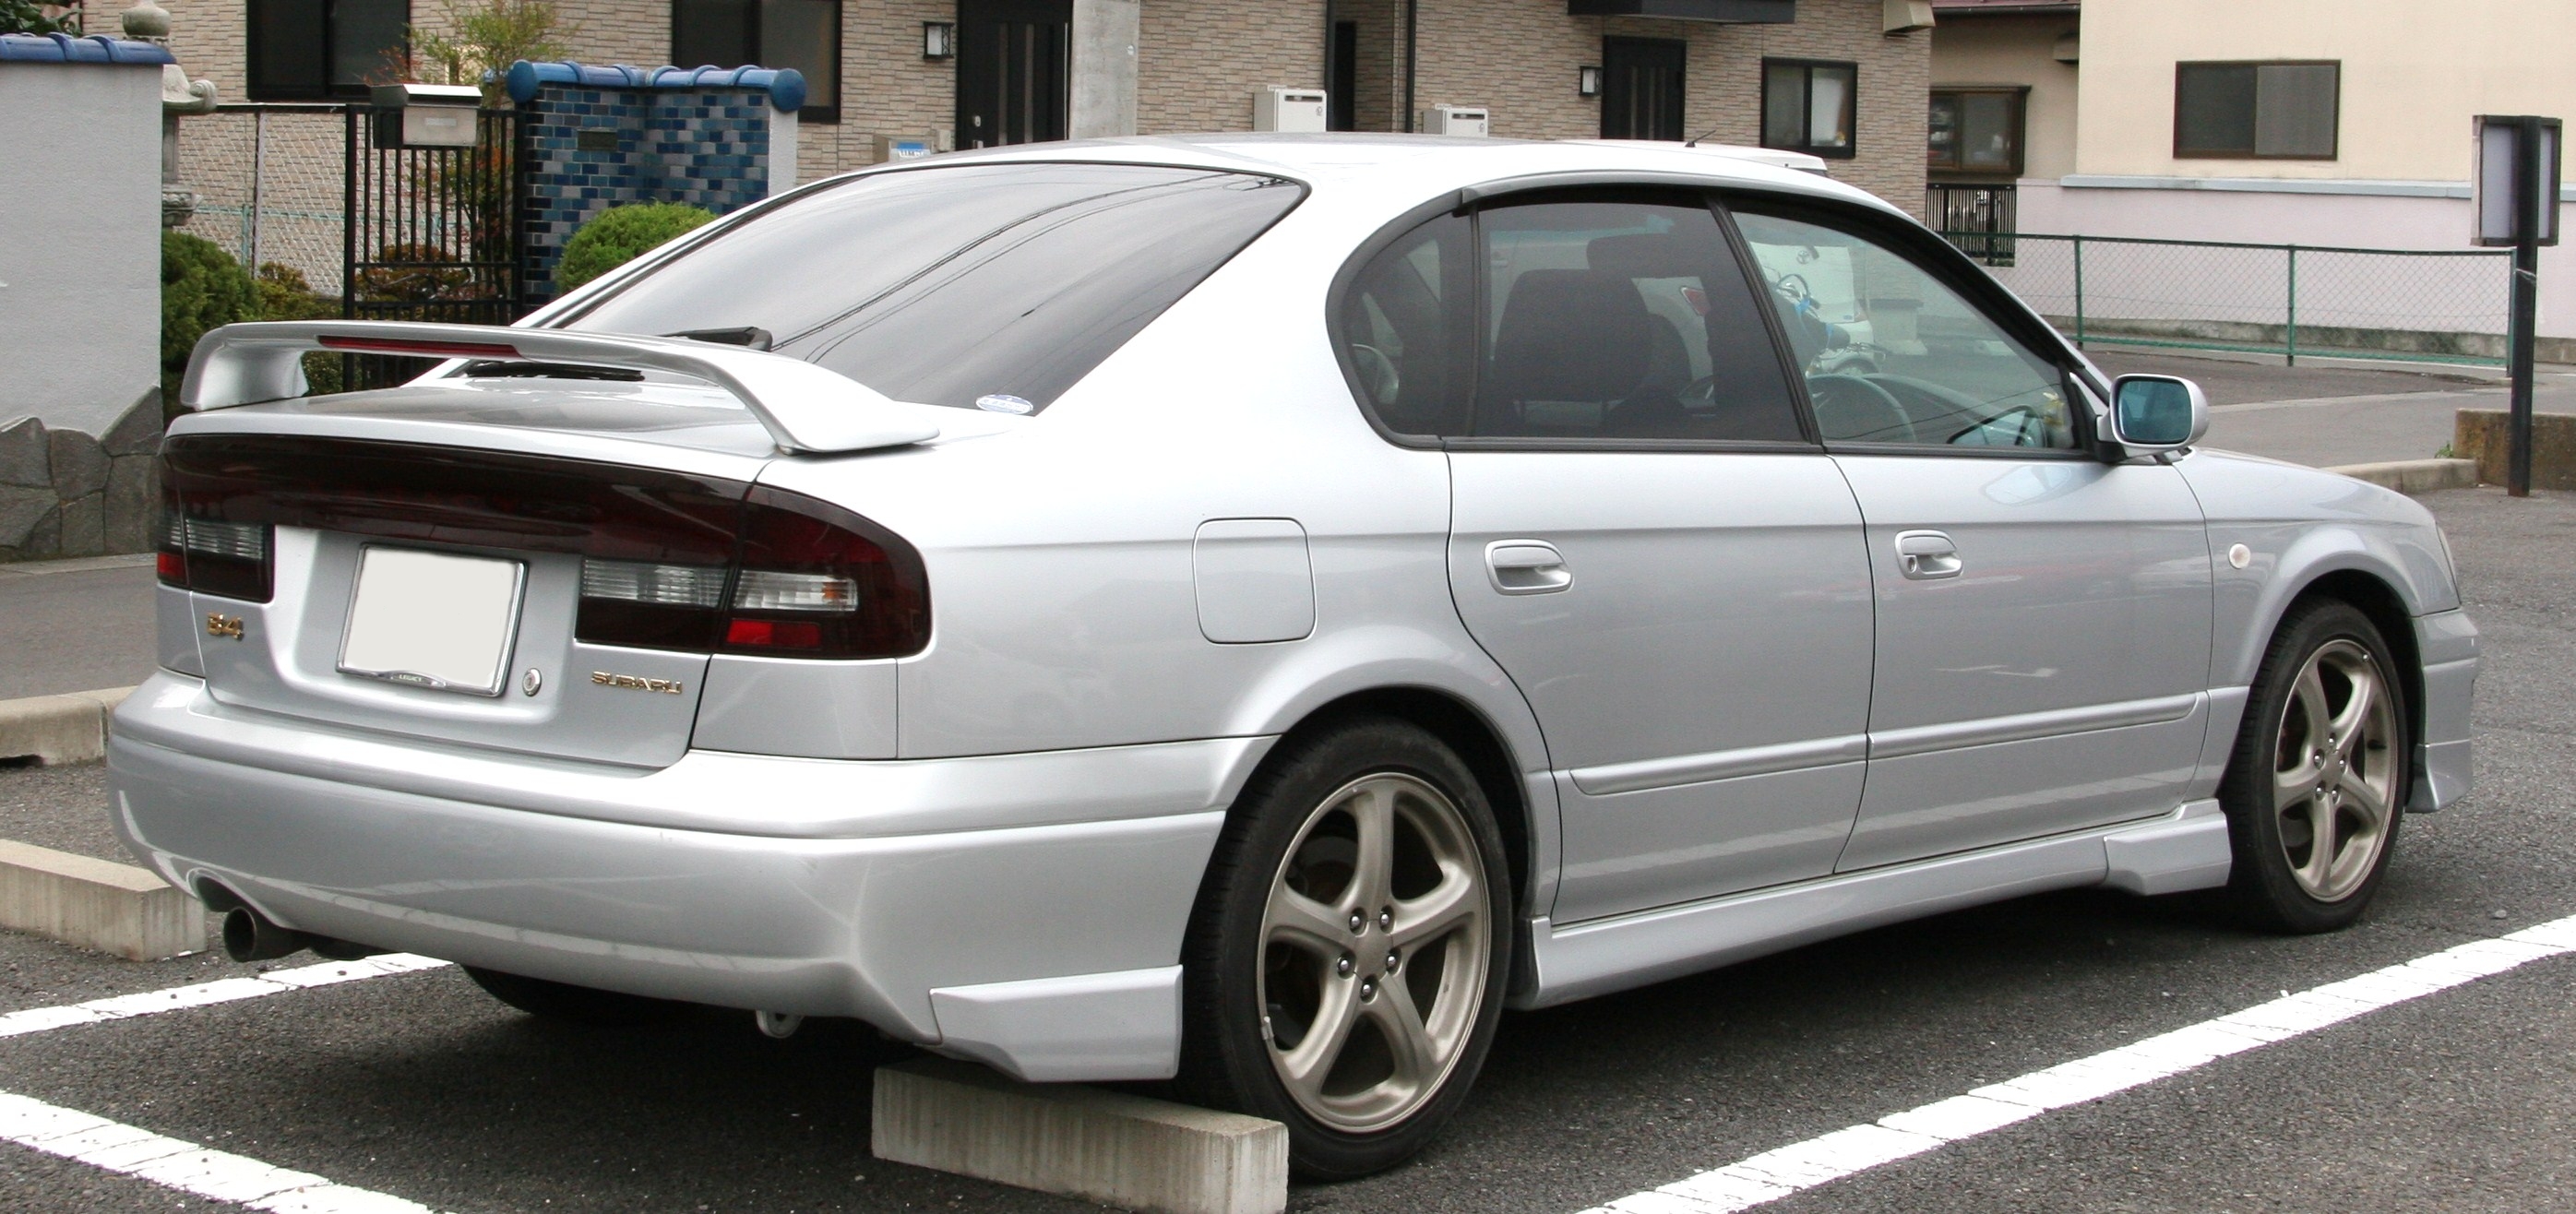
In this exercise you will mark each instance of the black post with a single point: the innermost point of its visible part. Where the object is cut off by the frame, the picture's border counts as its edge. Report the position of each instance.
(2527, 189)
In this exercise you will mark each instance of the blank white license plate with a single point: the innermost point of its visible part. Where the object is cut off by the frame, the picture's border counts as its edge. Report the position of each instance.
(428, 619)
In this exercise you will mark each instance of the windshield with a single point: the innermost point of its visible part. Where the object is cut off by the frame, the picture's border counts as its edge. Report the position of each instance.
(991, 286)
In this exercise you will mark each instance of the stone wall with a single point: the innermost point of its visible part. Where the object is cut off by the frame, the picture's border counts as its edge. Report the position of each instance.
(64, 493)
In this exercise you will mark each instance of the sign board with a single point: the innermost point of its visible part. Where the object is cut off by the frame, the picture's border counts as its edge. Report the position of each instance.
(2492, 185)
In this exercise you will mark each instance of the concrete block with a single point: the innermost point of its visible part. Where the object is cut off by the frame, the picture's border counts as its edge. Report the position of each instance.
(1084, 1142)
(97, 904)
(2481, 435)
(2416, 475)
(68, 728)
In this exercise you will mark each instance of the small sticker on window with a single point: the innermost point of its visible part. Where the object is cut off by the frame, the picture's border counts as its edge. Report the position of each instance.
(1002, 403)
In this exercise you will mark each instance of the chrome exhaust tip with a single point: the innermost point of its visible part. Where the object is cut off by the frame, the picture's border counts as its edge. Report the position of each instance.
(780, 1025)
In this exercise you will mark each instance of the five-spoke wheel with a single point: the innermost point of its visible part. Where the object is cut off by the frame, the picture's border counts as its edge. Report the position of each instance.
(2320, 772)
(1346, 966)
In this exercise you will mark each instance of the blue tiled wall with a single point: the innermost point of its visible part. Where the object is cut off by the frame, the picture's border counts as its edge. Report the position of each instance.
(709, 147)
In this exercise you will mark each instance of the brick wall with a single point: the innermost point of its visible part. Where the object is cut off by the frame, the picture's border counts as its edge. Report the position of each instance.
(1518, 58)
(1199, 61)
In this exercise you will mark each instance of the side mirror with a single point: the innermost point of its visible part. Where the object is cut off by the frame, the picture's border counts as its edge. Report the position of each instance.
(2151, 414)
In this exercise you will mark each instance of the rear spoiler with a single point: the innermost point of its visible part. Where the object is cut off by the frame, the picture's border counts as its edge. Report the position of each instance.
(804, 407)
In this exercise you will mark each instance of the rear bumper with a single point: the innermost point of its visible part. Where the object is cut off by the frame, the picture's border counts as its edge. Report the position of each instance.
(2448, 643)
(1050, 939)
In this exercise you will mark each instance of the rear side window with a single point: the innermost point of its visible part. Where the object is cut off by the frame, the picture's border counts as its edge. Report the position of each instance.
(1590, 315)
(994, 286)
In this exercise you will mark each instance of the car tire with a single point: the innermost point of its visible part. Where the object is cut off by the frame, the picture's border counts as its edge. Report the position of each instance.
(1375, 819)
(2319, 777)
(571, 1004)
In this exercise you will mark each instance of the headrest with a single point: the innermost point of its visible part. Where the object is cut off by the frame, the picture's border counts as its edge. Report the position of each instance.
(1570, 335)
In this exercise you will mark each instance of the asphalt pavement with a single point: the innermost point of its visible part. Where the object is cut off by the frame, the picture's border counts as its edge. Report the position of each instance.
(421, 1087)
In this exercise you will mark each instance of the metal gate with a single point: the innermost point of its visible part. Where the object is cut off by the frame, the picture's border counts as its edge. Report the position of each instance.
(433, 232)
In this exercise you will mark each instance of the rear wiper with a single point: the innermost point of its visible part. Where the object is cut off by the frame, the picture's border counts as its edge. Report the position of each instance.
(747, 336)
(493, 368)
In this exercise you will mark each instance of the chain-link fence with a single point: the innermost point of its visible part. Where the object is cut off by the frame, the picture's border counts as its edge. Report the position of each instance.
(2420, 305)
(271, 186)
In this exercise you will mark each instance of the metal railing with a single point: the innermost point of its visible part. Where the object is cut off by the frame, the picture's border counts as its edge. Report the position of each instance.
(2417, 305)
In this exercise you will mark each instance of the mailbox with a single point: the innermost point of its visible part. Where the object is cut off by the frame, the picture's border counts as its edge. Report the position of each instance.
(426, 115)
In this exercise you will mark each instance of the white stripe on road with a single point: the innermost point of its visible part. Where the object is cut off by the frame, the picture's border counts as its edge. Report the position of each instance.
(100, 1143)
(1772, 1175)
(226, 990)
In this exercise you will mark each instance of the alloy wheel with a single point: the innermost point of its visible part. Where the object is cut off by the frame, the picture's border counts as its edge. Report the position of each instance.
(2334, 770)
(1375, 944)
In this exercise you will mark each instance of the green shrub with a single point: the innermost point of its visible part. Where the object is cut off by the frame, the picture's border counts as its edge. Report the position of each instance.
(202, 288)
(621, 234)
(285, 295)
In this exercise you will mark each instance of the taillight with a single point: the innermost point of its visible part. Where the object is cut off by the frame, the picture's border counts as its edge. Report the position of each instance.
(810, 580)
(816, 581)
(212, 555)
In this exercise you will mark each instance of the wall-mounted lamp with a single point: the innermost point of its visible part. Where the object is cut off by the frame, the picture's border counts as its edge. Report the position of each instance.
(1587, 81)
(938, 39)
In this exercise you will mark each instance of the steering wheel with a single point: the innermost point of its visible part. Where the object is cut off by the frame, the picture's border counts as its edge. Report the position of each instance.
(1793, 287)
(1852, 409)
(1377, 373)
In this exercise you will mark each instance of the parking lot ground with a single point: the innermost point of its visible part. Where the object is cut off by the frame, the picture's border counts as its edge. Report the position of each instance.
(420, 1087)
(75, 625)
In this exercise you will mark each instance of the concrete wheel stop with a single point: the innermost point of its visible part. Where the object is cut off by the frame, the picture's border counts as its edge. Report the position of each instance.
(1113, 1147)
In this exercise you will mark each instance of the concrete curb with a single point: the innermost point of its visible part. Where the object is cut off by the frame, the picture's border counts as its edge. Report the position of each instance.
(68, 728)
(1084, 1142)
(97, 904)
(2416, 475)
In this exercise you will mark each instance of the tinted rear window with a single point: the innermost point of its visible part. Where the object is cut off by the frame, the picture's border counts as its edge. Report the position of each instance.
(952, 285)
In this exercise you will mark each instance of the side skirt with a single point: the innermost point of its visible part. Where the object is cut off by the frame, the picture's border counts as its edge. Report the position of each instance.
(2185, 849)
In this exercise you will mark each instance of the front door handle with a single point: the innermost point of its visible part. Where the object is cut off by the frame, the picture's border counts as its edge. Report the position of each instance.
(1526, 567)
(1926, 556)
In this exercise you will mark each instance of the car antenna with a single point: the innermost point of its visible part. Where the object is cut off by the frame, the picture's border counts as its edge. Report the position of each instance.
(1694, 140)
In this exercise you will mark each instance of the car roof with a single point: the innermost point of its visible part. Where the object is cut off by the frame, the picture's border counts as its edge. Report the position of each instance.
(1431, 163)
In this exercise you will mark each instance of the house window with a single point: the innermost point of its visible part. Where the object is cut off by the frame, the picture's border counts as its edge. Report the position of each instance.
(309, 50)
(802, 34)
(2284, 111)
(1976, 131)
(1807, 106)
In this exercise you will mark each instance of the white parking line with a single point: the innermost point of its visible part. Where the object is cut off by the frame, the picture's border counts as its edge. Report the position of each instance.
(185, 1166)
(1773, 1175)
(225, 990)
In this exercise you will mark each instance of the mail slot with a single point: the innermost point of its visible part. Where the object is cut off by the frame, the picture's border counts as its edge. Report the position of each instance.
(426, 115)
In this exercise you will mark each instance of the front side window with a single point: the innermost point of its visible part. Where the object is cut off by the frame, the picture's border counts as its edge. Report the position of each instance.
(1612, 318)
(311, 50)
(800, 34)
(991, 286)
(2271, 111)
(1891, 354)
(1807, 106)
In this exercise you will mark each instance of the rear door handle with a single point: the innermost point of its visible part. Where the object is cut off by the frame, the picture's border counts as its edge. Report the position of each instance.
(1526, 567)
(1927, 556)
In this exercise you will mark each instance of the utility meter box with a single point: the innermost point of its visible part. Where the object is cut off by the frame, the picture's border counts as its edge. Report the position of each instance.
(1457, 120)
(426, 115)
(1280, 108)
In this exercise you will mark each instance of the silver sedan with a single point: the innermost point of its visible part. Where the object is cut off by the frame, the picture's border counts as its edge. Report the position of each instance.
(1249, 610)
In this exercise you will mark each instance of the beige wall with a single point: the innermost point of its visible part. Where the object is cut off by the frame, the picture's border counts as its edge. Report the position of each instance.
(2413, 74)
(2021, 51)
